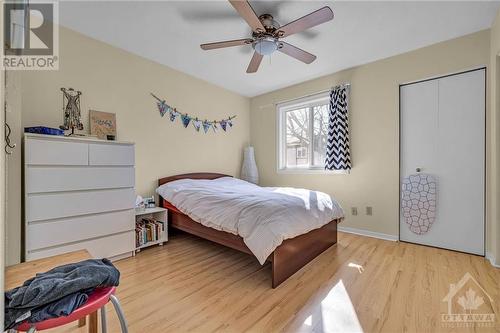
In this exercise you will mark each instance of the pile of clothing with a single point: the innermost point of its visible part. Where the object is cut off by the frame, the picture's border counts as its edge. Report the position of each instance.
(57, 292)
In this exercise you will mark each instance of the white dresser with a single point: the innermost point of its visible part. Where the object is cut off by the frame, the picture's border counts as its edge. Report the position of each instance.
(79, 194)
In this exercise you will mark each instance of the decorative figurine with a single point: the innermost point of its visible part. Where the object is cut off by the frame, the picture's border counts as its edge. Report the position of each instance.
(71, 107)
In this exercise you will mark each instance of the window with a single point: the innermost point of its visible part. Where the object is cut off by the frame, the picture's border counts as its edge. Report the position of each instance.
(303, 130)
(301, 152)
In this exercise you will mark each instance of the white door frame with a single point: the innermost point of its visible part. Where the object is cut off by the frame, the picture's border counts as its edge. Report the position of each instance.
(485, 157)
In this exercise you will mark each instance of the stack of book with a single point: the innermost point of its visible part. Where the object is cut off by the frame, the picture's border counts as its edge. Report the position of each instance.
(148, 230)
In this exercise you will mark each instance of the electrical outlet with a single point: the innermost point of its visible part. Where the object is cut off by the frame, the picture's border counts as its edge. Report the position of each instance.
(369, 210)
(354, 210)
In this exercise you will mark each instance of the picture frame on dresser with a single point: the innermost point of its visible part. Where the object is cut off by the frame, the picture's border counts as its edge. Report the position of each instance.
(79, 193)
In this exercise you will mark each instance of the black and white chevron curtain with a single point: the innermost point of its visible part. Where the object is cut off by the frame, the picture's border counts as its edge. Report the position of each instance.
(338, 156)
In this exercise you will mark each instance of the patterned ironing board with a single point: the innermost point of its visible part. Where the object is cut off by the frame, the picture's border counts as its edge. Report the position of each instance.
(418, 202)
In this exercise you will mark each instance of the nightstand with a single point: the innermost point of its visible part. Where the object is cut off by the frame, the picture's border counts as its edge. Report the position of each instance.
(151, 227)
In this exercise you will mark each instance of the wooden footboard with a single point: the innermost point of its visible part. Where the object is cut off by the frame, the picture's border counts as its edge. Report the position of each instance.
(286, 260)
(295, 253)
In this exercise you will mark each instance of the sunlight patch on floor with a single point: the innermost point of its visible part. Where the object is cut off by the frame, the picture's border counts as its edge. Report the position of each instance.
(335, 313)
(338, 312)
(359, 267)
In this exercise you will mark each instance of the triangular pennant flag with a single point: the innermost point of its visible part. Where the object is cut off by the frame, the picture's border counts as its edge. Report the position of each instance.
(173, 114)
(162, 107)
(230, 122)
(206, 126)
(223, 124)
(197, 124)
(185, 120)
(214, 126)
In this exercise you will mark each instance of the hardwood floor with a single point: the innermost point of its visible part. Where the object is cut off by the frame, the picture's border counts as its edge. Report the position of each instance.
(360, 284)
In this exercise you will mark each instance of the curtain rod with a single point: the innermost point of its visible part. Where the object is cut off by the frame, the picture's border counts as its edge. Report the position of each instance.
(309, 95)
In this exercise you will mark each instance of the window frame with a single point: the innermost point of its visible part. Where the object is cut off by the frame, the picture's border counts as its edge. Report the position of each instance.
(308, 102)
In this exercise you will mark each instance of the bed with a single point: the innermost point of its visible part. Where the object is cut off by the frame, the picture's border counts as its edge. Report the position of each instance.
(286, 259)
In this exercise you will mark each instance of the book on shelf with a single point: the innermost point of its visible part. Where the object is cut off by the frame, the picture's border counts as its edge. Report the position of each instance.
(148, 230)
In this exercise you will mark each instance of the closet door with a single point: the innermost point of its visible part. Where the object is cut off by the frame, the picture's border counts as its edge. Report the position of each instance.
(442, 162)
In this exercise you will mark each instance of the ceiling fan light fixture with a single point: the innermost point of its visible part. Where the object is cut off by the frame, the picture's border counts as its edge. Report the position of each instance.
(265, 46)
(267, 34)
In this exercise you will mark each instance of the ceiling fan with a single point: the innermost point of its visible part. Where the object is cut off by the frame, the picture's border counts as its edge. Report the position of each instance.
(267, 34)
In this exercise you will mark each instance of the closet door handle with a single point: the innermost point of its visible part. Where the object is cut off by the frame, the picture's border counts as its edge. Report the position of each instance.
(418, 169)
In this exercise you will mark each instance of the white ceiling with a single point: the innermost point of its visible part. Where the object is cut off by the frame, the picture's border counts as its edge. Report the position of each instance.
(170, 32)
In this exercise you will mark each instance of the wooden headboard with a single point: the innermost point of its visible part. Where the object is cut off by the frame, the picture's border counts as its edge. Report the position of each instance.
(194, 175)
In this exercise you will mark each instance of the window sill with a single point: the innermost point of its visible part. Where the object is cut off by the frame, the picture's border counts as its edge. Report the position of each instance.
(307, 171)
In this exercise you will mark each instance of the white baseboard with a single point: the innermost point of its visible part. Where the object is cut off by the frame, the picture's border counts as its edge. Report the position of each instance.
(492, 260)
(367, 233)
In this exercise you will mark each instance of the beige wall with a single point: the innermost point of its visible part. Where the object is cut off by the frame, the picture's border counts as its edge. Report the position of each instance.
(374, 127)
(113, 80)
(495, 130)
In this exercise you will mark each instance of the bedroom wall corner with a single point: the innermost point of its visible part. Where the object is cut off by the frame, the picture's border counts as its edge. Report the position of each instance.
(374, 127)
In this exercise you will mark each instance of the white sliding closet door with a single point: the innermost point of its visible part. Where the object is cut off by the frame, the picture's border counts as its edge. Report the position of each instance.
(443, 141)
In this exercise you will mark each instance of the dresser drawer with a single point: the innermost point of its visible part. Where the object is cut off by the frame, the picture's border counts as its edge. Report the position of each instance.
(104, 247)
(68, 230)
(108, 154)
(59, 205)
(39, 151)
(54, 179)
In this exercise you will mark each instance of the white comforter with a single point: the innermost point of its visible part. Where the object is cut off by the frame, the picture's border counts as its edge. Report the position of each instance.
(262, 216)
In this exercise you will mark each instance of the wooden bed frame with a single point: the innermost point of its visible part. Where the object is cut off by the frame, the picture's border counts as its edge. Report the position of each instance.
(288, 258)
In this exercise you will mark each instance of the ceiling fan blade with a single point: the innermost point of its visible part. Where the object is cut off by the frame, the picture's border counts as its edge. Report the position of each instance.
(254, 64)
(296, 53)
(247, 13)
(322, 15)
(227, 43)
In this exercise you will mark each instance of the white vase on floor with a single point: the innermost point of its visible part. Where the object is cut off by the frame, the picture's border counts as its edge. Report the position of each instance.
(249, 170)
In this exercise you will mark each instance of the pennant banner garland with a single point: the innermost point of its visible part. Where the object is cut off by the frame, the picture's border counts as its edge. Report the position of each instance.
(186, 119)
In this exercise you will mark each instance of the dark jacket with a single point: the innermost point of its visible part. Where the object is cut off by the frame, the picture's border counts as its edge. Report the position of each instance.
(57, 292)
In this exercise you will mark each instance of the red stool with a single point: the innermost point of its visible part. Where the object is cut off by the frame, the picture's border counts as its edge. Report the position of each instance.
(97, 301)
